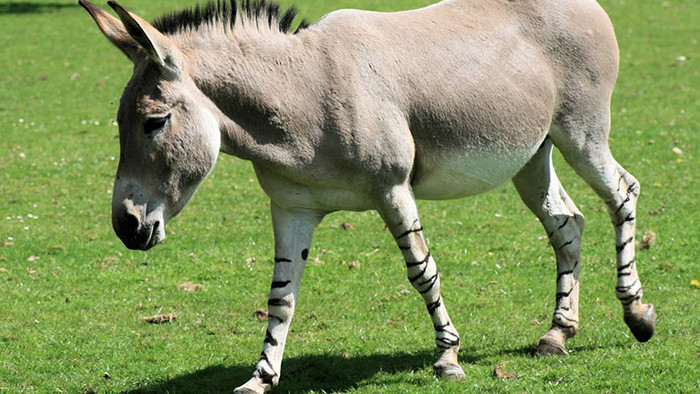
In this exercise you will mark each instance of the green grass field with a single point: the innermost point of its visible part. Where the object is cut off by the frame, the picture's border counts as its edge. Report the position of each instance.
(72, 298)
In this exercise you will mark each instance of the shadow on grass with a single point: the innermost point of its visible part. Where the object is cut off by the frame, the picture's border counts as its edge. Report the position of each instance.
(326, 373)
(31, 7)
(329, 373)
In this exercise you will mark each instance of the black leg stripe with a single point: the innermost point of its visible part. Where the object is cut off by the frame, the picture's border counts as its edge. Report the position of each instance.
(424, 261)
(429, 280)
(565, 244)
(622, 205)
(619, 182)
(263, 357)
(555, 323)
(571, 271)
(444, 343)
(564, 294)
(631, 297)
(564, 224)
(279, 319)
(622, 289)
(565, 318)
(619, 274)
(628, 265)
(269, 339)
(266, 377)
(279, 302)
(415, 278)
(282, 260)
(629, 218)
(624, 244)
(417, 230)
(443, 330)
(433, 306)
(432, 282)
(280, 284)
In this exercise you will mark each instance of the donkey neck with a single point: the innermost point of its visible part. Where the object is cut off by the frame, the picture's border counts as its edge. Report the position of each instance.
(259, 83)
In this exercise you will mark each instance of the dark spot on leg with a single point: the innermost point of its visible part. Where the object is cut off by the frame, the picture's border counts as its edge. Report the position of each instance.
(270, 339)
(305, 254)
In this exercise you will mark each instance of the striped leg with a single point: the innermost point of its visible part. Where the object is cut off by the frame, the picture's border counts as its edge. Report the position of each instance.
(293, 231)
(398, 209)
(541, 191)
(619, 190)
(641, 318)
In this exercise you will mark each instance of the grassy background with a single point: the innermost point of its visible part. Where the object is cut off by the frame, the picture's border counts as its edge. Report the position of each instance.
(72, 297)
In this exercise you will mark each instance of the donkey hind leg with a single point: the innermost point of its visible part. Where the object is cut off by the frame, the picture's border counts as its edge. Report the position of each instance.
(398, 209)
(539, 187)
(592, 160)
(293, 231)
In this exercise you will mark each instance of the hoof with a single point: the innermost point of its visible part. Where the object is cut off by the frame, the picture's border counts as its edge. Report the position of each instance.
(545, 349)
(642, 324)
(552, 344)
(449, 372)
(244, 390)
(253, 386)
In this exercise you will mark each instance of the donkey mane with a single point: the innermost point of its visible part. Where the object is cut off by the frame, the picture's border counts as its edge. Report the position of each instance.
(227, 13)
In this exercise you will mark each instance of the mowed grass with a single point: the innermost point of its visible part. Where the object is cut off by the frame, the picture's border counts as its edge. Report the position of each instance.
(72, 297)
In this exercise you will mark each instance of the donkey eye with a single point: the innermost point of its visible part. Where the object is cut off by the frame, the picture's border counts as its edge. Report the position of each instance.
(153, 124)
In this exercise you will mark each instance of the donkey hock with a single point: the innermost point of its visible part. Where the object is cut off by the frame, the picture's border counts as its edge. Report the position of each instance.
(367, 110)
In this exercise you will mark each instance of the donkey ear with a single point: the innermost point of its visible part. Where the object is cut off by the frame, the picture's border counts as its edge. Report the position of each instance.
(113, 29)
(158, 47)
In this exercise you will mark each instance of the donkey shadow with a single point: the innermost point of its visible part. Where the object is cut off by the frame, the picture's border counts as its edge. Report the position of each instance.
(331, 373)
(327, 373)
(316, 373)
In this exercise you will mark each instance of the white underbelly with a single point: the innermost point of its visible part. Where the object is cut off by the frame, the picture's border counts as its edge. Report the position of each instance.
(461, 174)
(450, 175)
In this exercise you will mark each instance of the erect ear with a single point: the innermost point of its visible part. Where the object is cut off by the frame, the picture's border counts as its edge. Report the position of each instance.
(113, 29)
(158, 47)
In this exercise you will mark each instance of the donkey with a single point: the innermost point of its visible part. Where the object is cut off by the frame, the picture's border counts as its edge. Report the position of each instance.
(367, 110)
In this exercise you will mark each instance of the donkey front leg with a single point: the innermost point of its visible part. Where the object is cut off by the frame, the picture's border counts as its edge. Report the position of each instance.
(293, 231)
(398, 209)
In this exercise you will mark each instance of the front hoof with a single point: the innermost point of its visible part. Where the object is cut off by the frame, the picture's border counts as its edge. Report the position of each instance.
(552, 344)
(545, 349)
(244, 390)
(642, 323)
(253, 386)
(449, 372)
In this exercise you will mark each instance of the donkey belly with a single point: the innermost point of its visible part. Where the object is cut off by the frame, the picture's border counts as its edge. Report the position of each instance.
(448, 175)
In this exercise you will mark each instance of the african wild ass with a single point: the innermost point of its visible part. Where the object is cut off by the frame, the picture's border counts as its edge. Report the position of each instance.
(368, 110)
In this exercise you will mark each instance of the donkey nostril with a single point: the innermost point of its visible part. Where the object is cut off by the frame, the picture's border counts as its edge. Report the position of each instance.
(129, 223)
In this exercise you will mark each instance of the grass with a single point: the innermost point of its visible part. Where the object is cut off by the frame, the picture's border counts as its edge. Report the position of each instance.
(72, 297)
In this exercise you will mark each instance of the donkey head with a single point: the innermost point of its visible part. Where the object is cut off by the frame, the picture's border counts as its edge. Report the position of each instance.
(168, 131)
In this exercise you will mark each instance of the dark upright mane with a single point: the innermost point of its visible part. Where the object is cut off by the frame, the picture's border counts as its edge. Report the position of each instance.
(227, 13)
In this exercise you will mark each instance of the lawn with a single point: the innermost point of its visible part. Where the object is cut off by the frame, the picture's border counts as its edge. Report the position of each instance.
(72, 298)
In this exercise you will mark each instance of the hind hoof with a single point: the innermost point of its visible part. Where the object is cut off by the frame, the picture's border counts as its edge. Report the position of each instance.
(642, 324)
(449, 372)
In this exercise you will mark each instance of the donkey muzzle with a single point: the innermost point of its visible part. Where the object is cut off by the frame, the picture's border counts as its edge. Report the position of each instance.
(137, 230)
